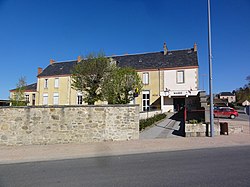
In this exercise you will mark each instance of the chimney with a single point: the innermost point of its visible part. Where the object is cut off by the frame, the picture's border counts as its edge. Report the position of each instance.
(195, 47)
(51, 61)
(79, 58)
(165, 48)
(39, 70)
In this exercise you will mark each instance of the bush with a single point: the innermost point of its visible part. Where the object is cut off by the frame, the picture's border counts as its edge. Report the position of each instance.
(150, 121)
(193, 121)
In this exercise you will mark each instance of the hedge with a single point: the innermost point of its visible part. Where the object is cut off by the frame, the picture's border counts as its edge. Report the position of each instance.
(150, 121)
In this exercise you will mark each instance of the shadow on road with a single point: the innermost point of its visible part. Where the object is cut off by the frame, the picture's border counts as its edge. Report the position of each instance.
(179, 116)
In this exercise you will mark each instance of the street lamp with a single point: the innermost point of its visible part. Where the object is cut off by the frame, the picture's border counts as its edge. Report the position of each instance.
(210, 73)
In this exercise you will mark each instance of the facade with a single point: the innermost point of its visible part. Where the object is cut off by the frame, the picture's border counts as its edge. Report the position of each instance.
(246, 103)
(170, 80)
(30, 92)
(4, 102)
(230, 97)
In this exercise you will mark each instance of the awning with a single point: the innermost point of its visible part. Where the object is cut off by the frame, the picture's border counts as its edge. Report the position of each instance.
(184, 93)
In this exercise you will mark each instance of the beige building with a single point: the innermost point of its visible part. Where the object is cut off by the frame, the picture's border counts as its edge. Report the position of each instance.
(170, 80)
(228, 96)
(30, 92)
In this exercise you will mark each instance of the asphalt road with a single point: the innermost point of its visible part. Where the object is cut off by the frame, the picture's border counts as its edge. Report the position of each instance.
(204, 167)
(242, 117)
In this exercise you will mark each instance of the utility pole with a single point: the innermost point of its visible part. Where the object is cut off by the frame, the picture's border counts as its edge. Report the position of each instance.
(210, 73)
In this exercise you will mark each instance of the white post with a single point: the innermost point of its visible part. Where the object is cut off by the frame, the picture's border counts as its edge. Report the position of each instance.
(162, 103)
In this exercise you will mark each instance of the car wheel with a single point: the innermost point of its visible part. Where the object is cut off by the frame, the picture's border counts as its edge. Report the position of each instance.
(232, 116)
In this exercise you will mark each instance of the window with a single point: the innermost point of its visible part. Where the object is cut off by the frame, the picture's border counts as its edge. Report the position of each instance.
(46, 83)
(145, 100)
(55, 98)
(180, 77)
(45, 99)
(79, 98)
(56, 82)
(145, 78)
(33, 99)
(27, 98)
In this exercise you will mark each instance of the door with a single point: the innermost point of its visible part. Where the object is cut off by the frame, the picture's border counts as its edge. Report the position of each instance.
(179, 103)
(145, 100)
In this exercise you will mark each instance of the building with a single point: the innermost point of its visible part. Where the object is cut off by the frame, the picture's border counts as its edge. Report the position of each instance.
(170, 80)
(230, 97)
(246, 103)
(30, 92)
(4, 102)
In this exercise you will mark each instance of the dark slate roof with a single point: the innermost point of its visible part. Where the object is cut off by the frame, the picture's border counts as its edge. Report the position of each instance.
(30, 87)
(173, 59)
(226, 94)
(58, 68)
(154, 60)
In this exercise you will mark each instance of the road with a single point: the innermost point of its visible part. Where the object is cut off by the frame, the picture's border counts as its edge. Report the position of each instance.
(242, 117)
(203, 167)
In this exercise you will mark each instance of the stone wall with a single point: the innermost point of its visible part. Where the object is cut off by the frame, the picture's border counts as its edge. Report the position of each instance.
(145, 115)
(197, 130)
(66, 124)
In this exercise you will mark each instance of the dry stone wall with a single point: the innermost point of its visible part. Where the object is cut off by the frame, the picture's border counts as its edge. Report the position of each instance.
(68, 124)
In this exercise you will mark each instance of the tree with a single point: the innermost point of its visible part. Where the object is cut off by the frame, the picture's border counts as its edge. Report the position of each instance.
(18, 97)
(121, 85)
(248, 79)
(88, 76)
(243, 93)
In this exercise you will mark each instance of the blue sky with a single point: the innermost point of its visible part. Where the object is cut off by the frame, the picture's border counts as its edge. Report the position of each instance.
(34, 31)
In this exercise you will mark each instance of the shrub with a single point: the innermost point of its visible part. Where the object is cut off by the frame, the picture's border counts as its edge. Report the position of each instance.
(193, 121)
(150, 121)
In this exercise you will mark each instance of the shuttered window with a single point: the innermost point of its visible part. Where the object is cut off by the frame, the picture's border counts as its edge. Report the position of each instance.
(79, 99)
(56, 82)
(55, 98)
(45, 99)
(46, 83)
(145, 78)
(180, 77)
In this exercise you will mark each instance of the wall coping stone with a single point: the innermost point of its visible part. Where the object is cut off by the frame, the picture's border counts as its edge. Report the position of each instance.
(69, 106)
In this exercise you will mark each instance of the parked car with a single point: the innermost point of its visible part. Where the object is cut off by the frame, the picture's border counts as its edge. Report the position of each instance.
(225, 112)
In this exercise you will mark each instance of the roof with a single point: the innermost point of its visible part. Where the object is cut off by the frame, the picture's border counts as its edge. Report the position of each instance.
(153, 60)
(59, 68)
(226, 94)
(156, 60)
(28, 88)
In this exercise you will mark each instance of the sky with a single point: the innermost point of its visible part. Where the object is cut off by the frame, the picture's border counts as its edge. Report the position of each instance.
(34, 31)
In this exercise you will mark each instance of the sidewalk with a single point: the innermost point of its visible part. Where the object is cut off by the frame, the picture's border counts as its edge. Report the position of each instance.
(14, 154)
(163, 129)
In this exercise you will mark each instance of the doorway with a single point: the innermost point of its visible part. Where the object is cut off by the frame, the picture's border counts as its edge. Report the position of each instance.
(179, 103)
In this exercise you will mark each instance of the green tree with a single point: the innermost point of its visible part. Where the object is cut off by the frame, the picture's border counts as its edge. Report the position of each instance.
(18, 97)
(243, 93)
(120, 85)
(88, 76)
(248, 79)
